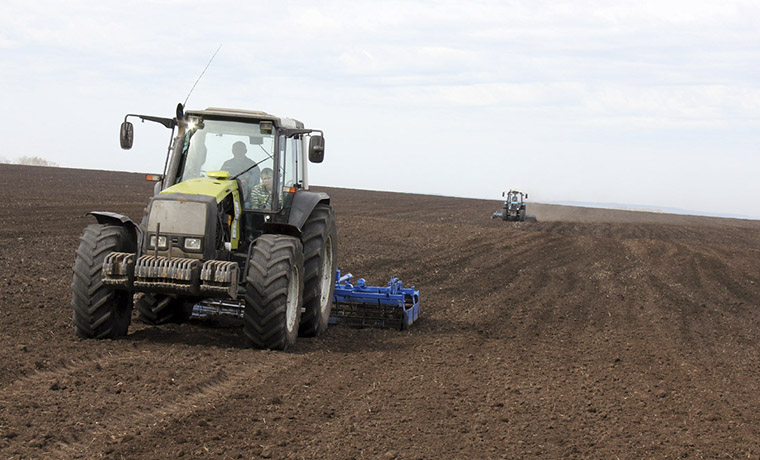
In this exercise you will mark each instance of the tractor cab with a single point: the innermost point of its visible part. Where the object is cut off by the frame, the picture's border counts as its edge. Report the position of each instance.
(252, 163)
(245, 147)
(515, 197)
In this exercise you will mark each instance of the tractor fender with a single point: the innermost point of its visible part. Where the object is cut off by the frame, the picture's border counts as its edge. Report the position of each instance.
(112, 218)
(303, 204)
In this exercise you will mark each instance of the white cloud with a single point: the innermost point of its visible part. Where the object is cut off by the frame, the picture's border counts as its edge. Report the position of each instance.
(458, 93)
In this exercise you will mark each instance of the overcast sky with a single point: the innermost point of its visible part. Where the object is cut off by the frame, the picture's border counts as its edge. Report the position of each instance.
(653, 103)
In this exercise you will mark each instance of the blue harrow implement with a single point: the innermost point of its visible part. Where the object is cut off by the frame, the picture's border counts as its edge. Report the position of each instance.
(392, 306)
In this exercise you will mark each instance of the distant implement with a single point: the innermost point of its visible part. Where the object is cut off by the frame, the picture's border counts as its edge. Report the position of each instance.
(514, 209)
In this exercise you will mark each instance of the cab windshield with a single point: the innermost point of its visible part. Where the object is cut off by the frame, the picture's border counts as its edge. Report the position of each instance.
(218, 145)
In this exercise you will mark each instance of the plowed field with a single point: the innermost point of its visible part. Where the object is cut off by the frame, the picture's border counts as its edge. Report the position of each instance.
(588, 334)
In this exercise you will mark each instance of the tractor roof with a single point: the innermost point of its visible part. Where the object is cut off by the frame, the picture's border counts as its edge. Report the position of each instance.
(282, 122)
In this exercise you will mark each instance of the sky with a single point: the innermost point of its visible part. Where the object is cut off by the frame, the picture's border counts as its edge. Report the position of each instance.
(642, 103)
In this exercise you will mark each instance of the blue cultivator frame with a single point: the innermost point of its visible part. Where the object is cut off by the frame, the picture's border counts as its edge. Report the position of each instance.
(393, 306)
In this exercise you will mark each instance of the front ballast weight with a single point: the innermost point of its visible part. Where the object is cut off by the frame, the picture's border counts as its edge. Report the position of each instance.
(392, 306)
(178, 275)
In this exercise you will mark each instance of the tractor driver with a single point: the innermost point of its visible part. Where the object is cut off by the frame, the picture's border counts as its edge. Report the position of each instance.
(239, 163)
(261, 194)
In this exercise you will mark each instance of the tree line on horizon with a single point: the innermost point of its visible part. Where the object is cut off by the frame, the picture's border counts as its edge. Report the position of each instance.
(29, 161)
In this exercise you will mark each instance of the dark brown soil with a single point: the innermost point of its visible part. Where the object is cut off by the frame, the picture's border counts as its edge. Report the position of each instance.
(588, 334)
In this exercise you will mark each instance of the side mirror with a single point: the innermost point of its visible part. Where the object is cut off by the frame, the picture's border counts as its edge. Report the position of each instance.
(127, 135)
(316, 149)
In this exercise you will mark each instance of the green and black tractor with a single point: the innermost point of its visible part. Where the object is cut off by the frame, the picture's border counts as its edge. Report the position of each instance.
(232, 228)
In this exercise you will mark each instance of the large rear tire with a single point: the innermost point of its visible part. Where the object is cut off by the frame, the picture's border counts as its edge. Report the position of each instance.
(320, 253)
(100, 311)
(274, 293)
(155, 309)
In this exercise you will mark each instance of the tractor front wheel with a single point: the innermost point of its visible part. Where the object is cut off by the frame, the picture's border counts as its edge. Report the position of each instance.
(320, 250)
(100, 311)
(274, 292)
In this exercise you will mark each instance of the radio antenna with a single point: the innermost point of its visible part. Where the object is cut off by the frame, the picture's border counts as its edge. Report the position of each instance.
(201, 75)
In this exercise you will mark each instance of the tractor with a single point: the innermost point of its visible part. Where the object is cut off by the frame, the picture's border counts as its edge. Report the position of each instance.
(514, 206)
(232, 228)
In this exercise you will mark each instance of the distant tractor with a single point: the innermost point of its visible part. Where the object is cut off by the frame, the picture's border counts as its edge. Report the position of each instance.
(231, 229)
(514, 206)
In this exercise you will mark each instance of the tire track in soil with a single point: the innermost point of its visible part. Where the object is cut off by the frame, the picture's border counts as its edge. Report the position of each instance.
(347, 400)
(43, 376)
(616, 273)
(493, 261)
(698, 334)
(105, 419)
(699, 318)
(549, 271)
(699, 269)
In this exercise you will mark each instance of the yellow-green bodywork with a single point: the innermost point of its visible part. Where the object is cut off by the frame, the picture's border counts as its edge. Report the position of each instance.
(217, 185)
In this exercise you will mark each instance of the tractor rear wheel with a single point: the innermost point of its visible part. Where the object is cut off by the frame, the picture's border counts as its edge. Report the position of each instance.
(320, 251)
(100, 311)
(521, 215)
(274, 292)
(158, 309)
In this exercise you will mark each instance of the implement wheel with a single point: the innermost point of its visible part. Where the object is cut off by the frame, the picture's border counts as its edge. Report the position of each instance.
(274, 293)
(320, 253)
(100, 311)
(158, 309)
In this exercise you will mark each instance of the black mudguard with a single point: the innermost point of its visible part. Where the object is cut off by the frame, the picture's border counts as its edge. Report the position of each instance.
(112, 218)
(303, 204)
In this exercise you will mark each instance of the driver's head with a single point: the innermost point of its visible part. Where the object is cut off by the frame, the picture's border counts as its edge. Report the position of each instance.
(239, 148)
(266, 177)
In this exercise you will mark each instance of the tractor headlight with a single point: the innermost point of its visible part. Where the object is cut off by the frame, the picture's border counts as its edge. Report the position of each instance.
(161, 241)
(192, 244)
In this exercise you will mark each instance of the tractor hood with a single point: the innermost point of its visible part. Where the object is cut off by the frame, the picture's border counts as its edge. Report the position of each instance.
(217, 188)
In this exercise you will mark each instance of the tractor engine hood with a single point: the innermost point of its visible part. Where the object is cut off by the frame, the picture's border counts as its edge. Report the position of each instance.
(177, 202)
(208, 186)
